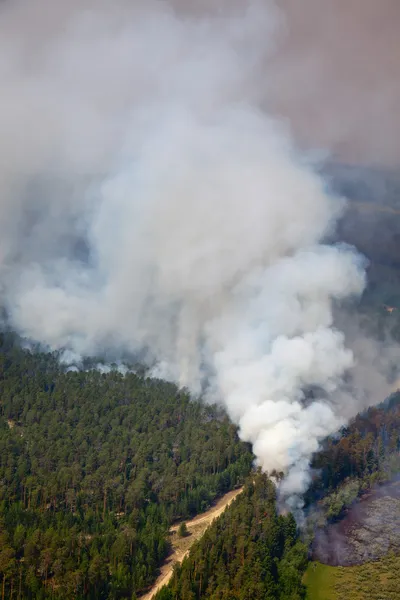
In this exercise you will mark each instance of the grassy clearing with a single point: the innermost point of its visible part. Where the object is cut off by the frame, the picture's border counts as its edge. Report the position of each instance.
(379, 580)
(320, 581)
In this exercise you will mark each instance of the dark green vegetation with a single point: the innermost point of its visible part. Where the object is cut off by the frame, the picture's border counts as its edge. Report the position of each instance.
(367, 453)
(93, 470)
(183, 530)
(249, 553)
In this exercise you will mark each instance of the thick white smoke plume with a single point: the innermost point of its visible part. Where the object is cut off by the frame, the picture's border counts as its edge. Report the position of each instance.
(149, 205)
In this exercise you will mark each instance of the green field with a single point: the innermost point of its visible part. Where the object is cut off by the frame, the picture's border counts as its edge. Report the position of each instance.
(378, 580)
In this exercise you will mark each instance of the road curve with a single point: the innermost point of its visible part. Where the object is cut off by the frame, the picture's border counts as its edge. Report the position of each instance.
(181, 546)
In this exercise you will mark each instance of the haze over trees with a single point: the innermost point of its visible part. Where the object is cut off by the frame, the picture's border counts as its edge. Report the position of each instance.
(350, 533)
(365, 454)
(95, 467)
(251, 552)
(93, 470)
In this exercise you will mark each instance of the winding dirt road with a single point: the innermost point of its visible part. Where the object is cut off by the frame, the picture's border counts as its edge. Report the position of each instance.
(181, 546)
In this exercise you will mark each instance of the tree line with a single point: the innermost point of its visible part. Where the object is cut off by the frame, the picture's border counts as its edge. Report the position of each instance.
(249, 553)
(93, 470)
(367, 451)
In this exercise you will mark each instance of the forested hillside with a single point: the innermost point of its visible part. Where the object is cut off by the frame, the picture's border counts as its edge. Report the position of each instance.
(93, 469)
(252, 553)
(249, 553)
(352, 518)
(366, 453)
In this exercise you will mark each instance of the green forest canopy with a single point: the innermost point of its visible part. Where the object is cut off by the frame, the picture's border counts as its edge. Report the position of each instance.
(95, 467)
(249, 553)
(93, 470)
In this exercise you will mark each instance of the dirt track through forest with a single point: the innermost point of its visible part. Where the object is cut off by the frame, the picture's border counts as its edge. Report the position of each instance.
(181, 546)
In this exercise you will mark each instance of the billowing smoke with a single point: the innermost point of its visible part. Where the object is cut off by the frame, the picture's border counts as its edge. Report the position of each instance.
(149, 205)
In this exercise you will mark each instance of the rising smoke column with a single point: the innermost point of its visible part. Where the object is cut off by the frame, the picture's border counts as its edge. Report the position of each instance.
(149, 205)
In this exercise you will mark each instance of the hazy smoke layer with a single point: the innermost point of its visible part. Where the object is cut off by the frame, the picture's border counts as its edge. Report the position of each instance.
(149, 205)
(337, 76)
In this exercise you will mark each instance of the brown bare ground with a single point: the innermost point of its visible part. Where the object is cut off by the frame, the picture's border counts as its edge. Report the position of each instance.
(181, 546)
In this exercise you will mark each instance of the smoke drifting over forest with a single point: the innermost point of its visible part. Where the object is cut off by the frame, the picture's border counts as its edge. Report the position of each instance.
(150, 205)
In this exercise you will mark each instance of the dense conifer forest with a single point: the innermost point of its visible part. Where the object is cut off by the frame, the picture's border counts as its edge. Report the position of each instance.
(93, 469)
(249, 553)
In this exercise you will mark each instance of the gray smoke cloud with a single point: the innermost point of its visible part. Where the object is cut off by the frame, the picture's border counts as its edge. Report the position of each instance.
(336, 76)
(149, 205)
